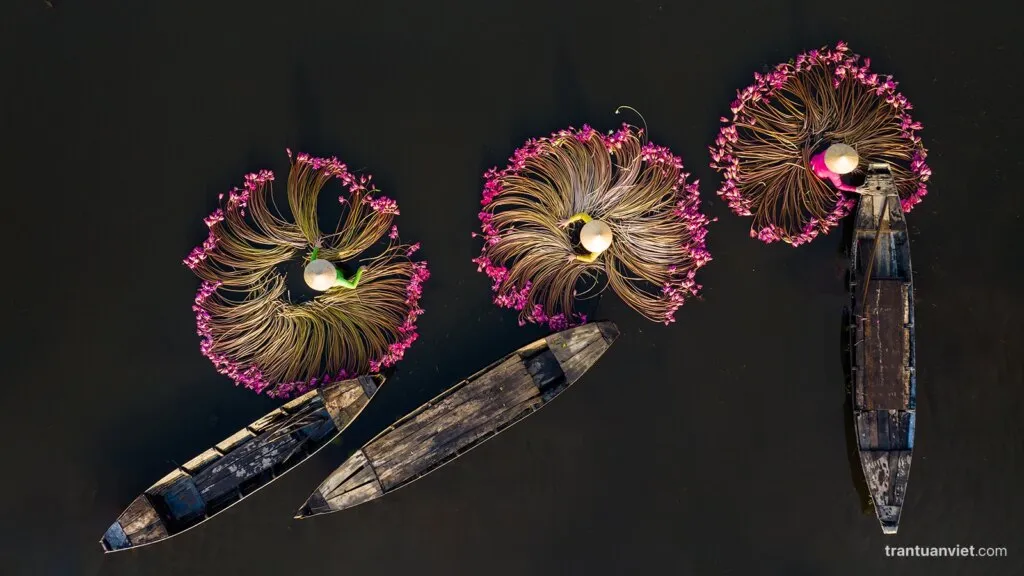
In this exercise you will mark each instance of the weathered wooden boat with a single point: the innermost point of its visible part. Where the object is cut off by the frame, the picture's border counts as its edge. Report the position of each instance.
(462, 417)
(240, 465)
(884, 382)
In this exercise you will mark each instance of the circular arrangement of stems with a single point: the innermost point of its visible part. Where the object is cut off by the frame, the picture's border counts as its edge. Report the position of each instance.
(639, 190)
(797, 110)
(251, 330)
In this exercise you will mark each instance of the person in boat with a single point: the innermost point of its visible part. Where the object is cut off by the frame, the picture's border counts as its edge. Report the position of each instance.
(595, 236)
(833, 163)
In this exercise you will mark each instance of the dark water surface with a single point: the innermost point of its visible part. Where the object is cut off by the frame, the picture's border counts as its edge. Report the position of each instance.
(717, 445)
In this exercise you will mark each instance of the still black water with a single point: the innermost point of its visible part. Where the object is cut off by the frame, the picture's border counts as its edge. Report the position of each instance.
(714, 446)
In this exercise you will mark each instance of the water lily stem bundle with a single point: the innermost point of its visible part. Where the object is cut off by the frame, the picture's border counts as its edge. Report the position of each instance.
(251, 330)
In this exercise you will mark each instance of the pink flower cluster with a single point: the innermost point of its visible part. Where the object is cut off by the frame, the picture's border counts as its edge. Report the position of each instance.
(248, 376)
(238, 199)
(613, 141)
(337, 169)
(681, 283)
(688, 209)
(298, 387)
(408, 332)
(843, 65)
(382, 204)
(677, 291)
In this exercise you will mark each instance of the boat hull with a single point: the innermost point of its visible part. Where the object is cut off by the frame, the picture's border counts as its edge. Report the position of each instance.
(240, 465)
(882, 336)
(462, 417)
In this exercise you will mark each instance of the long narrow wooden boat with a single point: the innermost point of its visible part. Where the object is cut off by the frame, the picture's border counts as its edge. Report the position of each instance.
(240, 465)
(462, 417)
(882, 332)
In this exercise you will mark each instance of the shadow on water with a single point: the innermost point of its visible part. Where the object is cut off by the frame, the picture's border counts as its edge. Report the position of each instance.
(846, 357)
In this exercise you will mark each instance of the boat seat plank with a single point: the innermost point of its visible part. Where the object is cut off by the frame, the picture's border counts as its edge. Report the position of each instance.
(899, 430)
(545, 370)
(884, 429)
(235, 440)
(570, 342)
(266, 421)
(884, 349)
(867, 432)
(574, 366)
(201, 461)
(297, 404)
(181, 500)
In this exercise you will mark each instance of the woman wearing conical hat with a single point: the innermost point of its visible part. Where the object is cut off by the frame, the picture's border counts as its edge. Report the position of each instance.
(835, 162)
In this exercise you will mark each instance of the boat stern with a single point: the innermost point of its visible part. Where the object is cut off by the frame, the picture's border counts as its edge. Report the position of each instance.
(351, 484)
(139, 524)
(890, 526)
(579, 348)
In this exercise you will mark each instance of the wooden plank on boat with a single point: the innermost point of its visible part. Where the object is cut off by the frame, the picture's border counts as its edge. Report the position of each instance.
(352, 483)
(235, 440)
(865, 218)
(345, 400)
(298, 403)
(169, 479)
(577, 350)
(882, 424)
(877, 474)
(446, 402)
(901, 464)
(568, 343)
(266, 421)
(884, 429)
(576, 365)
(249, 460)
(201, 461)
(141, 522)
(467, 414)
(367, 491)
(363, 476)
(181, 500)
(867, 431)
(355, 463)
(532, 349)
(884, 348)
(897, 429)
(545, 370)
(859, 396)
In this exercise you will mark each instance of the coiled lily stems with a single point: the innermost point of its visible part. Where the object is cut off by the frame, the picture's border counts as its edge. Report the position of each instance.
(254, 334)
(648, 244)
(797, 110)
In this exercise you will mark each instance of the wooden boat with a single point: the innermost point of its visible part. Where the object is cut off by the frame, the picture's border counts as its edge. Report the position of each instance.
(462, 417)
(882, 332)
(240, 465)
